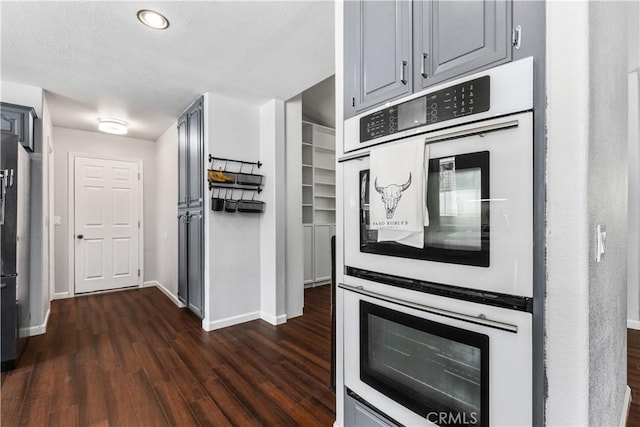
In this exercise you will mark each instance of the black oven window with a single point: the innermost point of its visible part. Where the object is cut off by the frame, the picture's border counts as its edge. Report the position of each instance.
(458, 206)
(438, 371)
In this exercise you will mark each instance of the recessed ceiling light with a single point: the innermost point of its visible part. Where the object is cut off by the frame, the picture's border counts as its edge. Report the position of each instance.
(153, 19)
(114, 126)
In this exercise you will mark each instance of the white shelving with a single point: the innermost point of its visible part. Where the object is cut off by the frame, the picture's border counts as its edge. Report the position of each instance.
(318, 200)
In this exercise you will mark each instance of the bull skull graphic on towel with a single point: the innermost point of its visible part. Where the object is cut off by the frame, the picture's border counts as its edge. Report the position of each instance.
(391, 195)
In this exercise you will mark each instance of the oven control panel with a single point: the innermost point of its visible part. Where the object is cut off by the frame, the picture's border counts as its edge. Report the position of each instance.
(463, 99)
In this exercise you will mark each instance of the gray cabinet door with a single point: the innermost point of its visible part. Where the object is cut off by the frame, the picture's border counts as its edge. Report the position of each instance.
(183, 162)
(196, 168)
(183, 278)
(195, 263)
(465, 36)
(378, 40)
(422, 45)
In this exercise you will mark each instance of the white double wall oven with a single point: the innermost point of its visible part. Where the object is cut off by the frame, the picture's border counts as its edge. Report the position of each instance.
(444, 331)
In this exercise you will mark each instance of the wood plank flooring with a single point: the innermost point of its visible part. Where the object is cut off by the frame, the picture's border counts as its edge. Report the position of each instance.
(633, 375)
(133, 358)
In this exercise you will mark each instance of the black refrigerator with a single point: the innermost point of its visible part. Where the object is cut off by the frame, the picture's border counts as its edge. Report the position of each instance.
(14, 249)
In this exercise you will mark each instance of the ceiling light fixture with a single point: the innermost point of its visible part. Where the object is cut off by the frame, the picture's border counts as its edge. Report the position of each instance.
(153, 19)
(114, 126)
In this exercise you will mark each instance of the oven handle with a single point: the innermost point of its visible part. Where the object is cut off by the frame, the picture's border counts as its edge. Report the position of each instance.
(452, 314)
(453, 133)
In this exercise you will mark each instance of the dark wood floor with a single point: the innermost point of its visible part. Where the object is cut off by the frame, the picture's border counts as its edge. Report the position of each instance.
(133, 358)
(633, 375)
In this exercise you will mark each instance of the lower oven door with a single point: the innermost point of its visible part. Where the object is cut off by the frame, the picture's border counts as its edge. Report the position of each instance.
(438, 361)
(480, 204)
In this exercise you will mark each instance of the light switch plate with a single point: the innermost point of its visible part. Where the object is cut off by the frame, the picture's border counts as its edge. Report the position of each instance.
(57, 220)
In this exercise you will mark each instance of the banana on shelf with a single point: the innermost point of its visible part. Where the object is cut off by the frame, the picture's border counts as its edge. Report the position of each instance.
(220, 176)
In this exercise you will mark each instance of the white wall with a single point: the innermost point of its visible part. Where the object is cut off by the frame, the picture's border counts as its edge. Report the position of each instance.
(339, 91)
(46, 234)
(233, 239)
(166, 211)
(294, 298)
(20, 94)
(586, 185)
(607, 205)
(272, 222)
(567, 305)
(70, 140)
(319, 103)
(633, 263)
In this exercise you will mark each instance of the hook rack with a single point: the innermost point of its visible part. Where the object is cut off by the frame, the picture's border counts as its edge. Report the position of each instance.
(232, 177)
(222, 159)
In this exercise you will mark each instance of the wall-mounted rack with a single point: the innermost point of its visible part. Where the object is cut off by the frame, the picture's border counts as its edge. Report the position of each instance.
(229, 176)
(222, 159)
(229, 173)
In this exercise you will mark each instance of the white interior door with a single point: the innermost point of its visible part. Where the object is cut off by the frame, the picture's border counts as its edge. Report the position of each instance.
(107, 218)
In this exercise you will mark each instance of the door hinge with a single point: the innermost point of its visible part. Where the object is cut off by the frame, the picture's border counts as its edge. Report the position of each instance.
(138, 176)
(516, 37)
(138, 224)
(138, 272)
(353, 101)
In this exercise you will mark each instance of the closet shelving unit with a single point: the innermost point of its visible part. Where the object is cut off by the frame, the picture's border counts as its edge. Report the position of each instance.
(318, 201)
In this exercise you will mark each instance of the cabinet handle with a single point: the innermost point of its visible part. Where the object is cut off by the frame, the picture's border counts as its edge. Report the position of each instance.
(423, 66)
(403, 66)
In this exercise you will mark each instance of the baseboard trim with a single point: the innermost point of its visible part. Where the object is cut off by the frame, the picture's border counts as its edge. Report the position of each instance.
(150, 283)
(274, 320)
(61, 295)
(626, 405)
(167, 292)
(36, 330)
(229, 321)
(633, 324)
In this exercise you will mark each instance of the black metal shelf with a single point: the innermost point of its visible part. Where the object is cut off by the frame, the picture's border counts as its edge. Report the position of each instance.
(230, 186)
(225, 179)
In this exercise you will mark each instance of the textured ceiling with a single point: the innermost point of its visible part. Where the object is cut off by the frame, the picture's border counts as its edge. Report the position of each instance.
(96, 59)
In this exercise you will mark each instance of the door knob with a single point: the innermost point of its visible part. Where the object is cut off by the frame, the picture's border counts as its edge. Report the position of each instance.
(79, 236)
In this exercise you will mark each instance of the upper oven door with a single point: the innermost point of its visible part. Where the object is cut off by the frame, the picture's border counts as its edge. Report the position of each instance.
(480, 204)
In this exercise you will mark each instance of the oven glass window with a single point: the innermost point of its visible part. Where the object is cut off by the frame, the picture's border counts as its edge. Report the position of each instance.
(436, 370)
(457, 202)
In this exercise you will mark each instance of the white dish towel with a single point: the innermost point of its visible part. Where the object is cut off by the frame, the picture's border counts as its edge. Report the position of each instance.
(397, 189)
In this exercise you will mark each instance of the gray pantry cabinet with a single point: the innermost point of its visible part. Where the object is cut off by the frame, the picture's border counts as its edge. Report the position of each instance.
(394, 48)
(19, 121)
(191, 208)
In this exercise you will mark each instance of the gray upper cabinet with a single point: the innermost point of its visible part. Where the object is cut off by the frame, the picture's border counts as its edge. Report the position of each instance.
(394, 48)
(19, 120)
(378, 41)
(196, 162)
(191, 158)
(452, 38)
